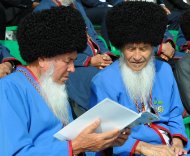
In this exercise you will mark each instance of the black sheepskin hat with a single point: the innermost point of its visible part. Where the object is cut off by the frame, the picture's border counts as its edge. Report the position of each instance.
(51, 32)
(136, 22)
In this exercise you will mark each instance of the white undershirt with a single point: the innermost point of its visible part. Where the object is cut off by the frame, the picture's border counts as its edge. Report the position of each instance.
(165, 136)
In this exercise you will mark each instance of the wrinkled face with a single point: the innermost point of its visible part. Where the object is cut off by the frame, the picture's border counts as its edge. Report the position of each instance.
(63, 64)
(137, 55)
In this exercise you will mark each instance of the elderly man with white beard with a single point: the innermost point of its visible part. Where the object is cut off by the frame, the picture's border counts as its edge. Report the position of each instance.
(142, 83)
(34, 102)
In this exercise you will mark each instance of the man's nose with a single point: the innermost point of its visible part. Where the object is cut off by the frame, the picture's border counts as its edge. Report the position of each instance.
(137, 55)
(71, 67)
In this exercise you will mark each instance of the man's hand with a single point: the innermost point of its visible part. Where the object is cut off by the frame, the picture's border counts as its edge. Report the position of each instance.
(167, 51)
(96, 60)
(5, 69)
(166, 10)
(88, 140)
(164, 57)
(35, 4)
(122, 137)
(106, 61)
(187, 51)
(100, 61)
(154, 150)
(177, 146)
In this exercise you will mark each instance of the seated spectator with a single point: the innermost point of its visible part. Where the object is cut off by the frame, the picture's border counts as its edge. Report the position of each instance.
(7, 62)
(183, 66)
(183, 40)
(11, 12)
(182, 74)
(177, 5)
(173, 15)
(89, 62)
(2, 22)
(96, 11)
(166, 50)
(141, 83)
(34, 102)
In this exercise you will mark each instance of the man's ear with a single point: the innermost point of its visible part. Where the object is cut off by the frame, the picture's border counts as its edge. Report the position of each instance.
(43, 62)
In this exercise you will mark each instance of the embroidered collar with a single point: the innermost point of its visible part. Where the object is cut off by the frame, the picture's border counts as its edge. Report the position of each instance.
(30, 76)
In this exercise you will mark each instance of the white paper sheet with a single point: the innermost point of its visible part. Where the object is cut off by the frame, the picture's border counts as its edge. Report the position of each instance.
(111, 114)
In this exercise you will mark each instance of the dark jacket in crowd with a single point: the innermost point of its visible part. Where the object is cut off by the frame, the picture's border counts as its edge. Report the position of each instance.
(182, 73)
(176, 5)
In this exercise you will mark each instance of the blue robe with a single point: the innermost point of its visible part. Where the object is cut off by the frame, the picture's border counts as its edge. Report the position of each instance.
(27, 124)
(5, 54)
(108, 83)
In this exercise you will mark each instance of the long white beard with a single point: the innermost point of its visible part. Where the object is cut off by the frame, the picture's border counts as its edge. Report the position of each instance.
(138, 84)
(55, 95)
(66, 2)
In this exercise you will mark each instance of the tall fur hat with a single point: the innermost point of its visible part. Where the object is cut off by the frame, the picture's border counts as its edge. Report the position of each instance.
(136, 22)
(51, 32)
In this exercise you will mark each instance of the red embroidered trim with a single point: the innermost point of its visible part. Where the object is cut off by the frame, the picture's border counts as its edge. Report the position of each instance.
(188, 44)
(87, 61)
(134, 147)
(157, 131)
(160, 49)
(70, 149)
(9, 59)
(91, 47)
(29, 78)
(180, 136)
(35, 78)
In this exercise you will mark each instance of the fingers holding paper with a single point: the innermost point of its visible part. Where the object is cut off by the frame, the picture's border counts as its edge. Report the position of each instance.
(122, 137)
(89, 140)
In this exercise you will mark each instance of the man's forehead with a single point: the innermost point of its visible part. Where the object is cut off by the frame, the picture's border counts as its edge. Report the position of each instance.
(137, 45)
(69, 55)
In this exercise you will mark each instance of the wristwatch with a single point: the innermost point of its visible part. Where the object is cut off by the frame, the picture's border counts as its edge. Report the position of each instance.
(13, 65)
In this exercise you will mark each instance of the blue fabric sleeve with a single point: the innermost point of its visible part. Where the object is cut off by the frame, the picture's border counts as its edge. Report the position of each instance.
(127, 148)
(90, 28)
(82, 60)
(168, 35)
(181, 39)
(4, 53)
(44, 4)
(176, 121)
(90, 3)
(93, 34)
(14, 122)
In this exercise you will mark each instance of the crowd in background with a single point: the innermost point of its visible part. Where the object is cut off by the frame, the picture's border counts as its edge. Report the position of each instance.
(175, 50)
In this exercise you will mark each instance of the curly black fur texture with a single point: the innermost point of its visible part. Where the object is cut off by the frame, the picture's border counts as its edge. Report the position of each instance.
(136, 22)
(51, 32)
(185, 24)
